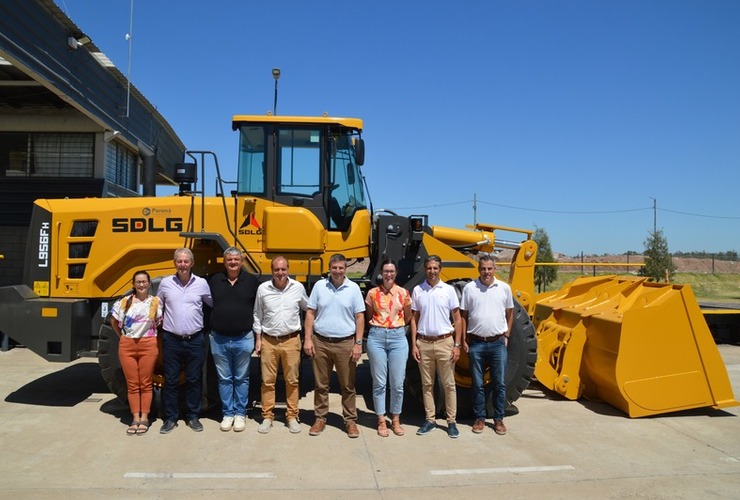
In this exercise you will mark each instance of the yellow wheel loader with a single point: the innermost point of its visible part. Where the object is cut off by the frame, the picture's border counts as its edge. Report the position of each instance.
(300, 193)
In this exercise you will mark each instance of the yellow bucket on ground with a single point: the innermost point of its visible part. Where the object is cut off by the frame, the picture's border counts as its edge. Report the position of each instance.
(642, 347)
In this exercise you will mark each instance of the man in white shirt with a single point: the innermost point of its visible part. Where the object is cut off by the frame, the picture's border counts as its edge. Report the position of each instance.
(487, 308)
(435, 342)
(277, 326)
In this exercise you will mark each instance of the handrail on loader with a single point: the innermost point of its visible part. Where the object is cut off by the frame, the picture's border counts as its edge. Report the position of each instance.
(642, 347)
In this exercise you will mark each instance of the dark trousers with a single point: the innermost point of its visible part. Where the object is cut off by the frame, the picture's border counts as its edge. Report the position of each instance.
(190, 355)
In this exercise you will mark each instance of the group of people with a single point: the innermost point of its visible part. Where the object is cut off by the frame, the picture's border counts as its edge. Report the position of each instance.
(265, 318)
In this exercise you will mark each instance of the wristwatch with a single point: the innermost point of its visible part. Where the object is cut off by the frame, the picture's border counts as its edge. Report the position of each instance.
(358, 342)
(457, 345)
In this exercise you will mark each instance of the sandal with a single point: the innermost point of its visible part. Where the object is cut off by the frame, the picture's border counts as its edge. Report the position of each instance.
(382, 428)
(396, 426)
(142, 428)
(133, 428)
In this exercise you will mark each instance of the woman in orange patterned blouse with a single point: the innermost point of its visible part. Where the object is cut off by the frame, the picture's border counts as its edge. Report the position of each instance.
(388, 312)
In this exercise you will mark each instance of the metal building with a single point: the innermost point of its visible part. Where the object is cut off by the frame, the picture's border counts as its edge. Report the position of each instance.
(71, 125)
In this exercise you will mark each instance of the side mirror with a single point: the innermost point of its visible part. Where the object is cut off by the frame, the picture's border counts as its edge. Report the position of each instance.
(360, 152)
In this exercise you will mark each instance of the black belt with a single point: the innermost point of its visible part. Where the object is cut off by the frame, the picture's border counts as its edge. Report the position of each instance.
(183, 337)
(491, 338)
(433, 338)
(280, 338)
(334, 340)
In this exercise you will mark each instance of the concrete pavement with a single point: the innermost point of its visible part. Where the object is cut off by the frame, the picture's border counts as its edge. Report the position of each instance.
(62, 434)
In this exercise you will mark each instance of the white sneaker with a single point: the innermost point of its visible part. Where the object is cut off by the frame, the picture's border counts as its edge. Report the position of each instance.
(226, 423)
(240, 423)
(265, 426)
(293, 426)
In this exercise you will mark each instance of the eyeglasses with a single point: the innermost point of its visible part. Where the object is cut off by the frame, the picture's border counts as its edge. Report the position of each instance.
(141, 282)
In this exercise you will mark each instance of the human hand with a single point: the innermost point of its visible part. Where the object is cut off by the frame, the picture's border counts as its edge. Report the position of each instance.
(308, 347)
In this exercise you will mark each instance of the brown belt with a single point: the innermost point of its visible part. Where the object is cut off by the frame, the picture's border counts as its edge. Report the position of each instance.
(334, 340)
(491, 338)
(281, 338)
(433, 338)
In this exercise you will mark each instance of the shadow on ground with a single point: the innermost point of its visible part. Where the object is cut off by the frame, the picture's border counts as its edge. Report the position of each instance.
(67, 387)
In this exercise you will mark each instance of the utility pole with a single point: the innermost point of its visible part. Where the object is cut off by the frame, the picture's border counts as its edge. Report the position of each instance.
(655, 215)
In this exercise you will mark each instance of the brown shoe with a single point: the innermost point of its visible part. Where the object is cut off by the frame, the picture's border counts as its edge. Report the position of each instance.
(479, 425)
(499, 427)
(382, 428)
(396, 426)
(352, 430)
(317, 427)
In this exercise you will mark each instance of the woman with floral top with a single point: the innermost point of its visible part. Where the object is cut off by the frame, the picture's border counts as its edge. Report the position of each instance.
(135, 320)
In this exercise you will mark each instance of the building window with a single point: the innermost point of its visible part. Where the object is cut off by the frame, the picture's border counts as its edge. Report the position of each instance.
(46, 155)
(120, 166)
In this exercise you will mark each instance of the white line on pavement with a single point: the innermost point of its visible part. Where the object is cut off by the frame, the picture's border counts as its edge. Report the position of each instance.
(451, 472)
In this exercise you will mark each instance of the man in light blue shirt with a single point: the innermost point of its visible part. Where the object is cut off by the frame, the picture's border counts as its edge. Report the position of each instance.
(334, 326)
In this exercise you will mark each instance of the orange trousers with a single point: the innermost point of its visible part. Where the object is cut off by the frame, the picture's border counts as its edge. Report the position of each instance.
(138, 357)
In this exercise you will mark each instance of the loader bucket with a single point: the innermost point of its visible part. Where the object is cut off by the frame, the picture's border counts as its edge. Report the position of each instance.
(642, 347)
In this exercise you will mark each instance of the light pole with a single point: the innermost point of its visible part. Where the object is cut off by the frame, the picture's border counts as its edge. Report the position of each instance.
(276, 76)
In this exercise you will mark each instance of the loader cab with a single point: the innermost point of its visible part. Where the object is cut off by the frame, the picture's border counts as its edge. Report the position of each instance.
(310, 162)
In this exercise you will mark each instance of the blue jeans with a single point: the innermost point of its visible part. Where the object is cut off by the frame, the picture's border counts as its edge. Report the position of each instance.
(190, 354)
(232, 355)
(388, 351)
(494, 355)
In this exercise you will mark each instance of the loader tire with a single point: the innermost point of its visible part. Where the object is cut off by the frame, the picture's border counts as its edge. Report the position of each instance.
(110, 366)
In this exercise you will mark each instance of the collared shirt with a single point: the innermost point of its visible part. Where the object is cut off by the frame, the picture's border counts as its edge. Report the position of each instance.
(486, 307)
(233, 305)
(387, 306)
(276, 311)
(183, 305)
(435, 304)
(336, 307)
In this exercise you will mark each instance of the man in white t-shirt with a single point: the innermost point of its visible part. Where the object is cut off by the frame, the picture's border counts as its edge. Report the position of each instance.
(487, 309)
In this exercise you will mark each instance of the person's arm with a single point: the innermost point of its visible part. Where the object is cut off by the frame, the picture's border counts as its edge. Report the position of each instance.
(509, 324)
(359, 332)
(414, 322)
(308, 332)
(464, 326)
(257, 323)
(115, 323)
(369, 308)
(458, 333)
(407, 309)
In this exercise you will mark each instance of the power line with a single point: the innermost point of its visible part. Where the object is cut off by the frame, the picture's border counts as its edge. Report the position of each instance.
(567, 212)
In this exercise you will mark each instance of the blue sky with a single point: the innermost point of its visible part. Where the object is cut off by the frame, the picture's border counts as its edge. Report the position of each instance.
(570, 115)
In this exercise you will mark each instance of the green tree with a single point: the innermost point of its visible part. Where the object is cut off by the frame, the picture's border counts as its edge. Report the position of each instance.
(658, 262)
(543, 275)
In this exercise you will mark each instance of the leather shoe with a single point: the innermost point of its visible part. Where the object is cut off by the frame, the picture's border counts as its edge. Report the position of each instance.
(352, 430)
(499, 427)
(317, 427)
(479, 425)
(195, 425)
(168, 427)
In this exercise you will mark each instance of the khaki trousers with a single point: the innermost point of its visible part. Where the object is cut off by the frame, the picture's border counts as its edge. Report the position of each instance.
(337, 355)
(285, 353)
(435, 358)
